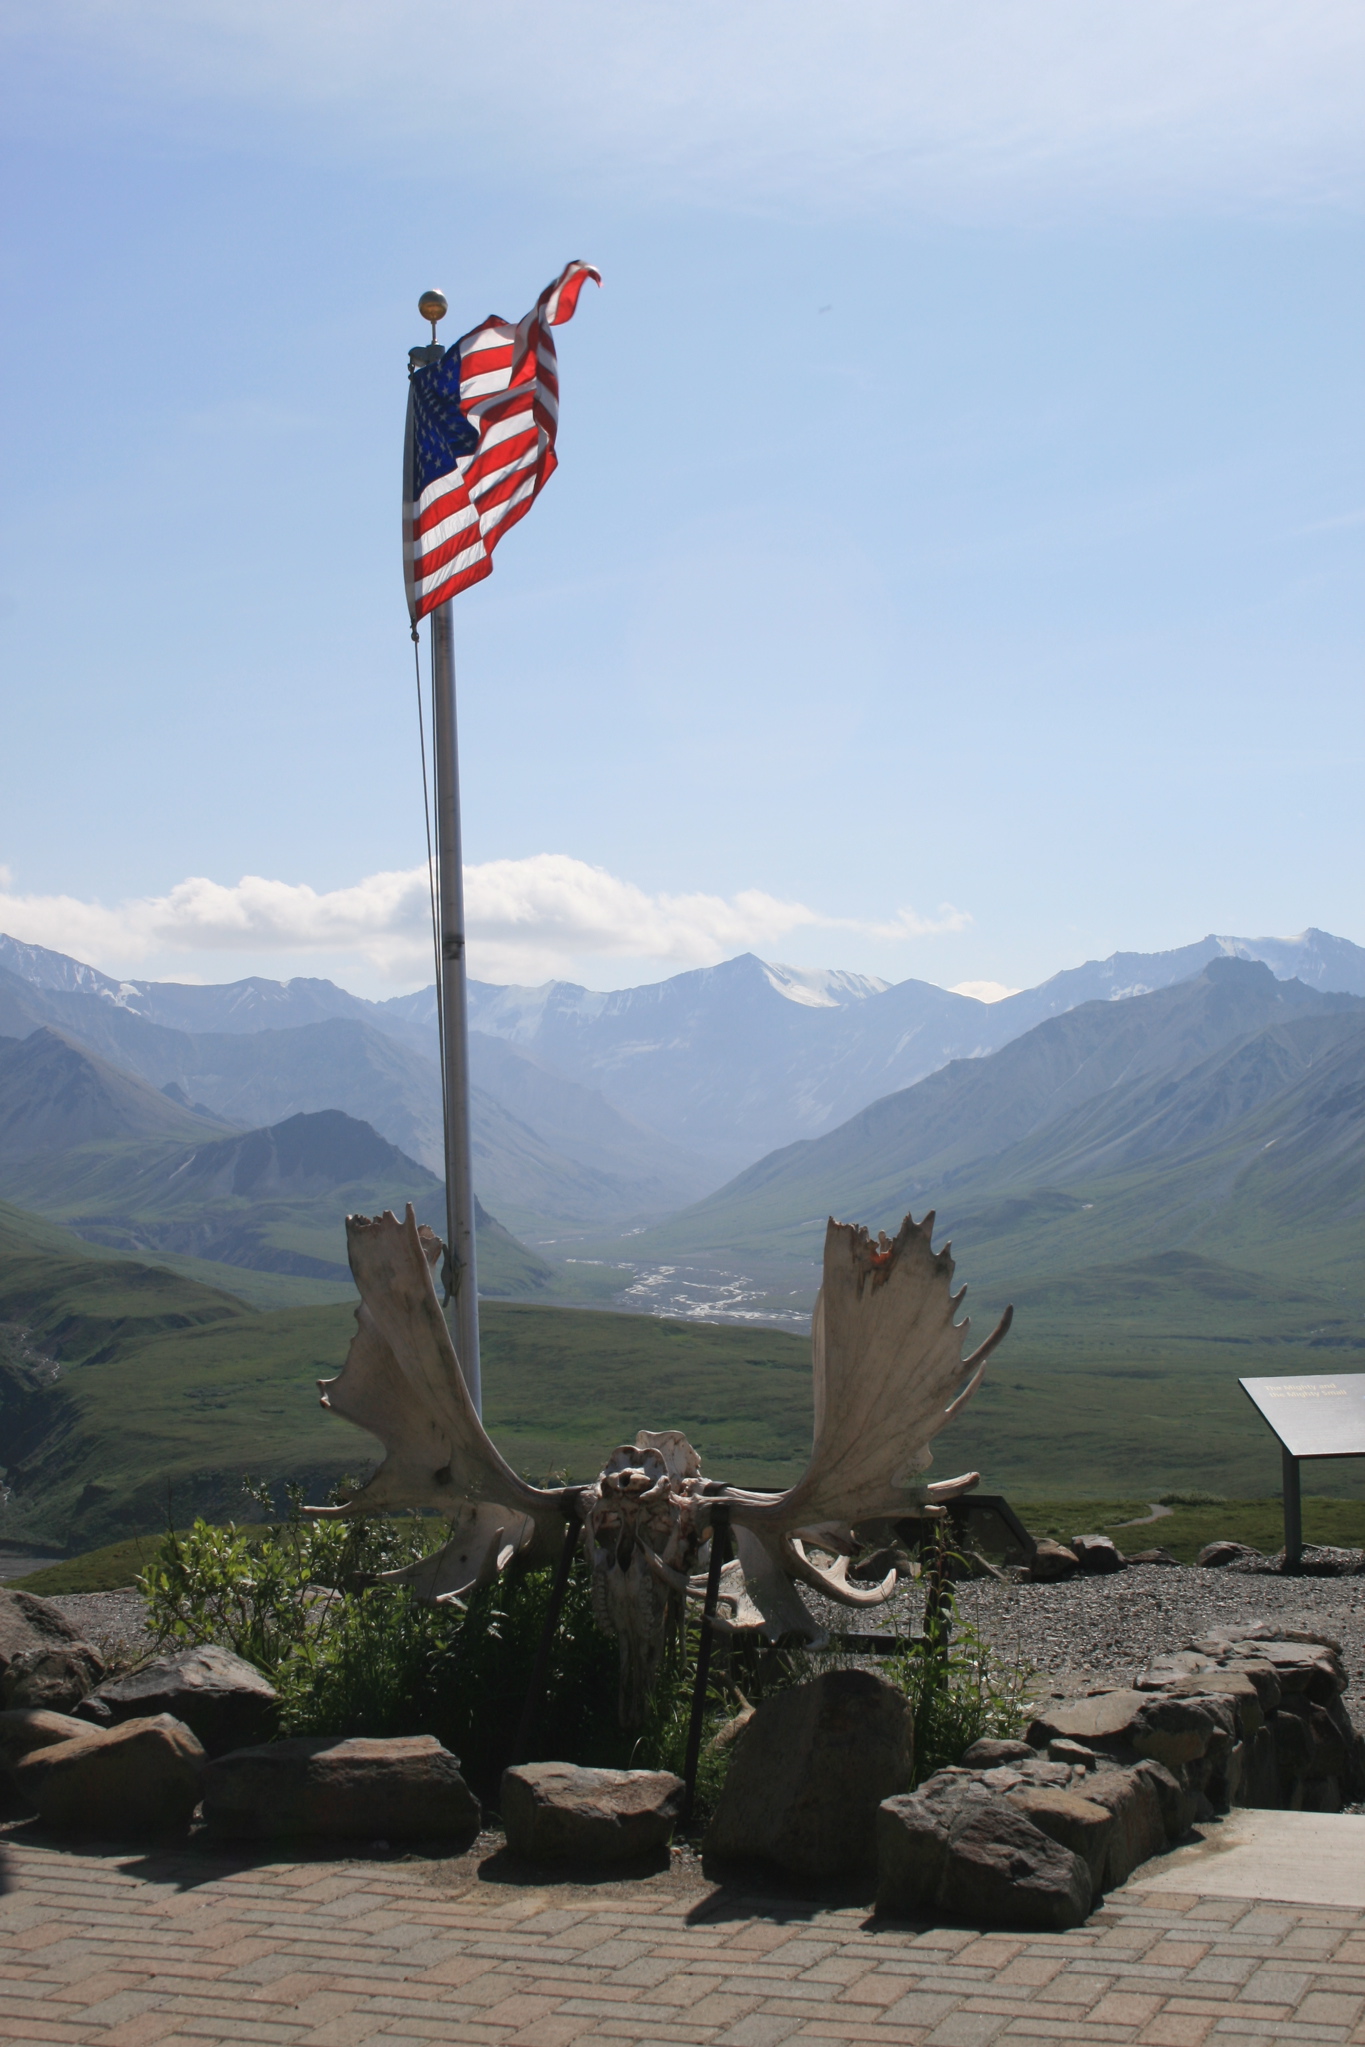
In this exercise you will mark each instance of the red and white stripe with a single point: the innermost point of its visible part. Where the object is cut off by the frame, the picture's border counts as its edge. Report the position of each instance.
(509, 391)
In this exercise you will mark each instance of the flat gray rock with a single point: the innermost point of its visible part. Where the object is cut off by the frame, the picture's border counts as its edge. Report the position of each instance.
(225, 1700)
(558, 1812)
(404, 1788)
(1103, 1719)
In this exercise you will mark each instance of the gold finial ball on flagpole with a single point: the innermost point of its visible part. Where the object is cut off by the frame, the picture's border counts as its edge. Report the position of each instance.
(433, 306)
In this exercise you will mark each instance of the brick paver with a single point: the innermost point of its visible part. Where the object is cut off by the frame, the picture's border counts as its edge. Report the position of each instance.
(165, 1949)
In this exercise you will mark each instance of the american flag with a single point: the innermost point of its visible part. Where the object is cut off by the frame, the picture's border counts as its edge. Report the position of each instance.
(480, 443)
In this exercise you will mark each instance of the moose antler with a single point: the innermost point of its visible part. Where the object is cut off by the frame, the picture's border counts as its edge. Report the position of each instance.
(889, 1374)
(402, 1381)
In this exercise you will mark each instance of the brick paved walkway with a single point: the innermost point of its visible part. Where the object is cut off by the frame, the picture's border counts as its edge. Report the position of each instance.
(185, 1950)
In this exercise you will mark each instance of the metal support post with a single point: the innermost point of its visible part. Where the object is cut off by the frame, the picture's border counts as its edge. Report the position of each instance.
(460, 1273)
(1293, 1511)
(720, 1549)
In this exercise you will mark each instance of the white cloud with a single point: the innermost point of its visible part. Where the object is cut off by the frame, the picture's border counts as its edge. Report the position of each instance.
(761, 102)
(528, 920)
(983, 991)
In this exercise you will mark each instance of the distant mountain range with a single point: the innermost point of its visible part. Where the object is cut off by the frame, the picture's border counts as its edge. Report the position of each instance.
(593, 1112)
(736, 1060)
(88, 1146)
(1223, 1115)
(581, 1164)
(1160, 1160)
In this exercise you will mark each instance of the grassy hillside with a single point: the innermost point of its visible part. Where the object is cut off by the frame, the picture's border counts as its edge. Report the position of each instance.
(123, 1385)
(270, 1201)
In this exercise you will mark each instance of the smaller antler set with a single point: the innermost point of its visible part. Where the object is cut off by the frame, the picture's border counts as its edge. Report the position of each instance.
(889, 1374)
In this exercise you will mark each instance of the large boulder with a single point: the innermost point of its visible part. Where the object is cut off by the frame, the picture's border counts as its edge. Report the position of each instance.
(1181, 1729)
(44, 1664)
(23, 1728)
(1133, 1799)
(1236, 1686)
(28, 1727)
(1216, 1556)
(142, 1777)
(955, 1849)
(557, 1812)
(1052, 1560)
(224, 1699)
(809, 1772)
(404, 1788)
(1071, 1819)
(1098, 1554)
(1312, 1753)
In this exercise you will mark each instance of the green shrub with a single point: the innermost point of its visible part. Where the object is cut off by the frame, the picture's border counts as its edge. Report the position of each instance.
(960, 1690)
(262, 1591)
(352, 1658)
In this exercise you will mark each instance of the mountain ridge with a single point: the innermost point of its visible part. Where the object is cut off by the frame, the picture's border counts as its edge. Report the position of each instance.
(646, 1096)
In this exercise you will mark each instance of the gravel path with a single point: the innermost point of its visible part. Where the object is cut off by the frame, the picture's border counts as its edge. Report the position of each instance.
(116, 1622)
(1076, 1634)
(1086, 1631)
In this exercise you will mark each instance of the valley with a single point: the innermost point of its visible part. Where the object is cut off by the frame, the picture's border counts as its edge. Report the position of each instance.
(1157, 1159)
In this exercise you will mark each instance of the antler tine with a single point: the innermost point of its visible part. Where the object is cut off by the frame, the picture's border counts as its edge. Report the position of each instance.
(976, 1363)
(997, 1335)
(834, 1582)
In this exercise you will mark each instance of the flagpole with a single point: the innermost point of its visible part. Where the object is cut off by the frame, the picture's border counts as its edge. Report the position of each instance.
(460, 1273)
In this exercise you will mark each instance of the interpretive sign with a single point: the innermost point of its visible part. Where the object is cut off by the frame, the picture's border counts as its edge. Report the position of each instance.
(1312, 1418)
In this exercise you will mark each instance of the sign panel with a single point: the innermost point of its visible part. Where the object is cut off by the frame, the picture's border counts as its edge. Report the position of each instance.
(1314, 1417)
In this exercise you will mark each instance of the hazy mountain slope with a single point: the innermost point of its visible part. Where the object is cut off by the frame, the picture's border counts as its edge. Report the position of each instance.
(597, 1167)
(55, 1095)
(271, 1200)
(1298, 1065)
(902, 1151)
(730, 1060)
(746, 1056)
(235, 1006)
(1255, 1157)
(1332, 965)
(642, 1173)
(259, 1077)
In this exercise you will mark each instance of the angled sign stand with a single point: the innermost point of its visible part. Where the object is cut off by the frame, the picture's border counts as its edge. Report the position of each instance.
(1312, 1418)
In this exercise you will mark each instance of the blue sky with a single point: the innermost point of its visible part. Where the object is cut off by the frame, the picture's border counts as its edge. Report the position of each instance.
(953, 566)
